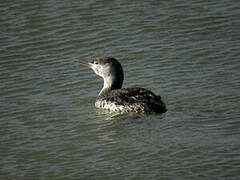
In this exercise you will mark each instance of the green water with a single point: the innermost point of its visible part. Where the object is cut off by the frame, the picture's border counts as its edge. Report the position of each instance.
(186, 51)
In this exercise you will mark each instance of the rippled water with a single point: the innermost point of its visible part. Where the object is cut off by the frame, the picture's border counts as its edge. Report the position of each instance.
(187, 51)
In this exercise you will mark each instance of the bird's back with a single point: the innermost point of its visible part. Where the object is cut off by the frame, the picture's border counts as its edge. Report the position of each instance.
(137, 100)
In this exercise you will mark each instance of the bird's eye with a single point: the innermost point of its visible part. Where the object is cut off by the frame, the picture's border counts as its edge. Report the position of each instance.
(95, 62)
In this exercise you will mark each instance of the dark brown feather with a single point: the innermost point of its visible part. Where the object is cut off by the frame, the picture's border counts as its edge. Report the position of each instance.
(135, 97)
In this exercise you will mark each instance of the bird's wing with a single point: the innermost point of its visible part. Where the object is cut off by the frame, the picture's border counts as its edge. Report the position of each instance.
(133, 95)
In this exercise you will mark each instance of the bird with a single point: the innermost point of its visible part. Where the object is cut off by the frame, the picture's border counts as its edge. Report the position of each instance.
(115, 98)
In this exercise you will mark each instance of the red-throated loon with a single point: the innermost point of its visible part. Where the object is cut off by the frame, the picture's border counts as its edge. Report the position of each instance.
(112, 97)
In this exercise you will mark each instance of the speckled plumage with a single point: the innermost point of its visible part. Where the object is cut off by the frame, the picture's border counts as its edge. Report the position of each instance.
(113, 98)
(137, 100)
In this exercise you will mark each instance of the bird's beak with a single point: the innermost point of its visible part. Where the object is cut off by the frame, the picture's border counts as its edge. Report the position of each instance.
(84, 63)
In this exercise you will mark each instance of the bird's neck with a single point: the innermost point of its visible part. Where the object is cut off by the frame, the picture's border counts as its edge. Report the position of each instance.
(111, 83)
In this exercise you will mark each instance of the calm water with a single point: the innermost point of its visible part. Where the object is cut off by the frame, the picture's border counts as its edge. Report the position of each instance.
(189, 52)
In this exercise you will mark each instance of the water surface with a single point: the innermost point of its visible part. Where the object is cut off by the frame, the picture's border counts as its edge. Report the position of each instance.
(186, 51)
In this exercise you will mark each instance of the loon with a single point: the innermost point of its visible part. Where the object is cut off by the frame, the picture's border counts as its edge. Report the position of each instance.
(115, 98)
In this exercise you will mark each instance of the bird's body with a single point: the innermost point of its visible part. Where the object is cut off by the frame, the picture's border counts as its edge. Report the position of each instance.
(115, 98)
(137, 100)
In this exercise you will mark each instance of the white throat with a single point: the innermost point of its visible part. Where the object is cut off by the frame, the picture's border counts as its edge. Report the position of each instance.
(111, 74)
(108, 82)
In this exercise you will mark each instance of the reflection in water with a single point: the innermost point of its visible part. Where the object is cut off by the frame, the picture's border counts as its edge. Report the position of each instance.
(110, 123)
